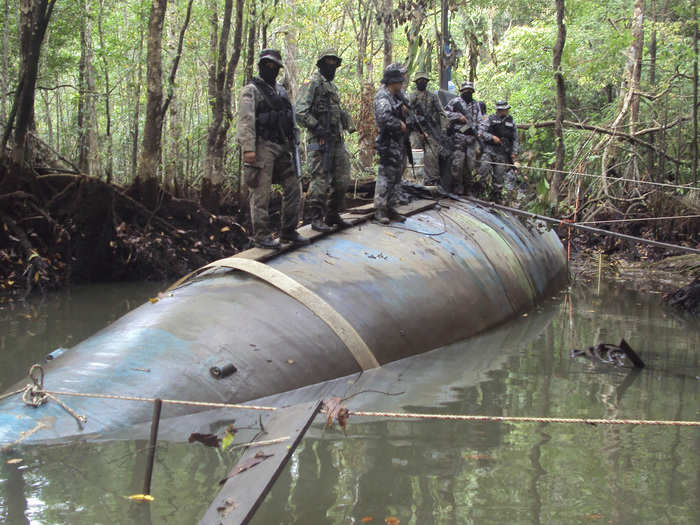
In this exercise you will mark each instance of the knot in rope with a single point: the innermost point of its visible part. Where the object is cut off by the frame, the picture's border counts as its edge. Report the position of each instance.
(33, 394)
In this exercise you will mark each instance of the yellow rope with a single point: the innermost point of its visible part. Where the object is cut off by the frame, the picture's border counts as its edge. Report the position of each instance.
(169, 401)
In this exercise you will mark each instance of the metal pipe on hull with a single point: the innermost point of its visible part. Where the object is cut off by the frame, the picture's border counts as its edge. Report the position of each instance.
(444, 275)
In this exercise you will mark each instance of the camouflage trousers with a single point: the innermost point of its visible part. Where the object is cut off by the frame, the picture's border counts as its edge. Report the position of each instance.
(431, 157)
(274, 165)
(494, 173)
(327, 190)
(388, 181)
(463, 166)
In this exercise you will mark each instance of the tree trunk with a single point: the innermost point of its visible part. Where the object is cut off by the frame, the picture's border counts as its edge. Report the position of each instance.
(695, 95)
(636, 48)
(173, 160)
(291, 71)
(109, 167)
(153, 127)
(559, 148)
(252, 52)
(34, 18)
(628, 99)
(221, 79)
(89, 152)
(651, 158)
(135, 122)
(5, 85)
(388, 25)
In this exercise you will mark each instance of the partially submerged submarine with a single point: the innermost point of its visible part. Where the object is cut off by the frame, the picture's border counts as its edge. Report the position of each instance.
(262, 323)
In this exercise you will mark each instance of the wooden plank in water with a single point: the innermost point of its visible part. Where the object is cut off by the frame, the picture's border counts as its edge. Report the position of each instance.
(244, 491)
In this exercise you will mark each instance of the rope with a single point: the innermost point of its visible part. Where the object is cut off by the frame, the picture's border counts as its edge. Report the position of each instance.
(520, 419)
(562, 222)
(612, 179)
(169, 401)
(641, 219)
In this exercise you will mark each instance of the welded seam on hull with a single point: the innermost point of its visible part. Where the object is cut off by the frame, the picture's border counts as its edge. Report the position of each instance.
(329, 315)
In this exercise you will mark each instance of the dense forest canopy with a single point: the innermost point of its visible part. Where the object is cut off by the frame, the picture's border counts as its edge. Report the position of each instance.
(145, 91)
(91, 88)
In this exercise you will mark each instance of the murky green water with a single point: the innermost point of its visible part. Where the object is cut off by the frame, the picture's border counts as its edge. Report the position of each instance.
(416, 472)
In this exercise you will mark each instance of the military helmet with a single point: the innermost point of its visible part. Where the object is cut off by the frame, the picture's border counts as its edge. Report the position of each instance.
(466, 85)
(502, 104)
(420, 75)
(329, 53)
(271, 54)
(394, 73)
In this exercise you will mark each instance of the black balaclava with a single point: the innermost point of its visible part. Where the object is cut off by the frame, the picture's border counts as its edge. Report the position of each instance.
(421, 84)
(327, 70)
(269, 71)
(467, 95)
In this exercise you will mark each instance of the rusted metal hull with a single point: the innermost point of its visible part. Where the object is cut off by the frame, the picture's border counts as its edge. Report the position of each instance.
(444, 275)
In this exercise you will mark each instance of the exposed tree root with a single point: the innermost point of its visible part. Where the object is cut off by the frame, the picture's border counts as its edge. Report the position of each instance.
(61, 229)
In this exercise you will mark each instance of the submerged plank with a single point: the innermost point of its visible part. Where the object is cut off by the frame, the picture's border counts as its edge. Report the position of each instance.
(256, 471)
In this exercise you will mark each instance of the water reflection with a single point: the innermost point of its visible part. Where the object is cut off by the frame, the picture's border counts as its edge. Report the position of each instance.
(430, 472)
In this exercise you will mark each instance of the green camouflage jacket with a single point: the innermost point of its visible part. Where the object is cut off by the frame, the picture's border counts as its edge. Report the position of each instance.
(319, 104)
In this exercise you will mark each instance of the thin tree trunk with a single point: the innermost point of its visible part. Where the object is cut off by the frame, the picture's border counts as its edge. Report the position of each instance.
(291, 71)
(34, 18)
(651, 158)
(637, 49)
(156, 107)
(109, 167)
(221, 80)
(695, 94)
(173, 162)
(89, 149)
(559, 148)
(252, 52)
(153, 127)
(388, 26)
(5, 86)
(135, 126)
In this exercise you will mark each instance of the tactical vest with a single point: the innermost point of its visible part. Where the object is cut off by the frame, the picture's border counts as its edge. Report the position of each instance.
(326, 109)
(503, 128)
(274, 120)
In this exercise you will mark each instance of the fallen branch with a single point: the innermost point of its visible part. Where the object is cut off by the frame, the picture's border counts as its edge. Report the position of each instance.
(606, 131)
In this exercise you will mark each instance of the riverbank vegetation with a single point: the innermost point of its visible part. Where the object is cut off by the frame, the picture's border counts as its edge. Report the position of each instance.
(118, 159)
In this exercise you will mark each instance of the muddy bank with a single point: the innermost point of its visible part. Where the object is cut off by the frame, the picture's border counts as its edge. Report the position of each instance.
(61, 229)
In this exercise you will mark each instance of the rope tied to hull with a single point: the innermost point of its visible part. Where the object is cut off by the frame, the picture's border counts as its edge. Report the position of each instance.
(34, 395)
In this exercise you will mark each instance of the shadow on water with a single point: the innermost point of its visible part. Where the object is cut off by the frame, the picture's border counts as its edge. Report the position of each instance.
(424, 472)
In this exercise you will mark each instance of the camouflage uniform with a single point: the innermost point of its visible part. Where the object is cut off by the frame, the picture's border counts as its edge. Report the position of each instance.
(318, 109)
(426, 106)
(464, 141)
(492, 169)
(391, 142)
(265, 125)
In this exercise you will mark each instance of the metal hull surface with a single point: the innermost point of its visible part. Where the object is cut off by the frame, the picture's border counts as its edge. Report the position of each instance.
(442, 276)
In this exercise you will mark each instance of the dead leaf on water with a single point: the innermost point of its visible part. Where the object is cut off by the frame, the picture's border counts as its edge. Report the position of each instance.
(367, 519)
(225, 229)
(14, 461)
(153, 299)
(391, 520)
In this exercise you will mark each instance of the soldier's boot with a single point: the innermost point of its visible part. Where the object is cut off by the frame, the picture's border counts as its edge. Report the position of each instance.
(396, 216)
(317, 222)
(267, 242)
(334, 219)
(380, 215)
(295, 238)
